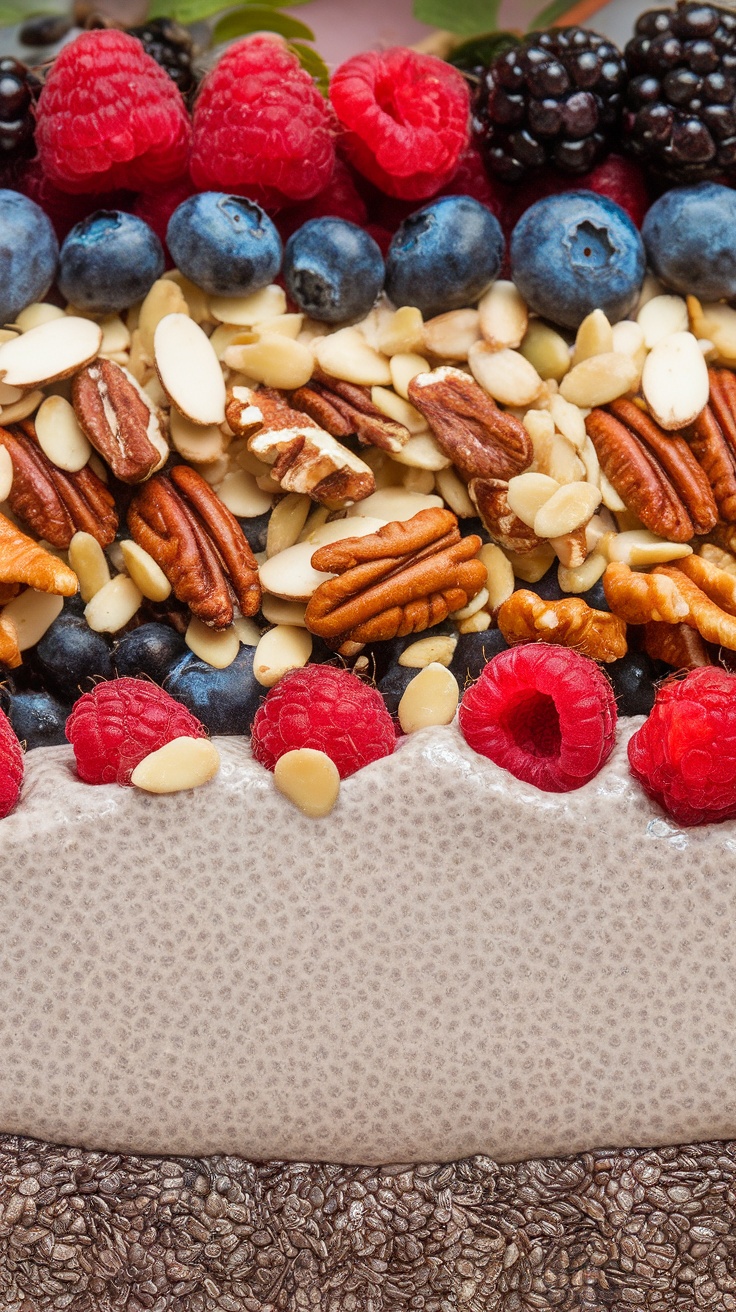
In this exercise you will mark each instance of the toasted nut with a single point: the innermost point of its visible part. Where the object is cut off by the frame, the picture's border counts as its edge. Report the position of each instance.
(279, 611)
(395, 407)
(289, 573)
(272, 359)
(567, 509)
(287, 325)
(346, 354)
(402, 334)
(89, 563)
(569, 622)
(393, 503)
(10, 655)
(454, 492)
(527, 494)
(598, 530)
(403, 368)
(546, 350)
(506, 375)
(287, 520)
(60, 436)
(650, 287)
(34, 315)
(582, 577)
(717, 322)
(478, 602)
(451, 335)
(6, 474)
(500, 583)
(430, 698)
(217, 648)
(640, 548)
(639, 598)
(533, 565)
(569, 420)
(114, 605)
(610, 496)
(180, 764)
(674, 381)
(145, 573)
(589, 457)
(599, 379)
(283, 648)
(115, 337)
(438, 649)
(662, 316)
(189, 369)
(241, 494)
(716, 556)
(214, 471)
(309, 779)
(165, 297)
(628, 339)
(416, 480)
(248, 310)
(553, 454)
(503, 315)
(12, 414)
(422, 452)
(477, 623)
(594, 337)
(200, 443)
(32, 613)
(571, 549)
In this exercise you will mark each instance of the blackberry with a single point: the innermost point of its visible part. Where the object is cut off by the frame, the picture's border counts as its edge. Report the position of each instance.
(171, 46)
(680, 117)
(19, 88)
(555, 99)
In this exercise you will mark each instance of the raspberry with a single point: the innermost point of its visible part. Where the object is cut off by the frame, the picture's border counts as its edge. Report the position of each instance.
(328, 709)
(109, 116)
(623, 181)
(546, 714)
(405, 118)
(119, 723)
(63, 209)
(684, 755)
(157, 207)
(11, 767)
(339, 199)
(261, 127)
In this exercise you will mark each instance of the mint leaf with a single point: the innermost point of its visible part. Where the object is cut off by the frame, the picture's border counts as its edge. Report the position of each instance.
(550, 14)
(259, 18)
(463, 17)
(313, 64)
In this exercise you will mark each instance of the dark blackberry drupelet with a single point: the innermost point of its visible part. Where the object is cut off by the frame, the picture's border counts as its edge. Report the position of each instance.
(171, 46)
(555, 99)
(680, 117)
(19, 88)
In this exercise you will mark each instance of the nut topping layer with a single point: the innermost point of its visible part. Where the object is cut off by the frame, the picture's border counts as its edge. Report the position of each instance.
(344, 409)
(118, 419)
(481, 440)
(54, 503)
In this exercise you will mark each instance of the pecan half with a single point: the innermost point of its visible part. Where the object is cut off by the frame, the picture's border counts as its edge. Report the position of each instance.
(715, 455)
(480, 440)
(405, 578)
(198, 543)
(498, 519)
(637, 476)
(54, 503)
(676, 645)
(304, 457)
(570, 622)
(345, 409)
(677, 460)
(119, 420)
(23, 561)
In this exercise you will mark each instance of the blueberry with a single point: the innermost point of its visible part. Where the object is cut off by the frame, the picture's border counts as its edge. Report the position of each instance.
(444, 256)
(255, 529)
(472, 654)
(633, 679)
(151, 649)
(690, 237)
(225, 244)
(333, 270)
(393, 685)
(224, 700)
(38, 719)
(71, 657)
(109, 261)
(28, 254)
(577, 252)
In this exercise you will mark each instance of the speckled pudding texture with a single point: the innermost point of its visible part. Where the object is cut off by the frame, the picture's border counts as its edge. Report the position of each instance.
(451, 963)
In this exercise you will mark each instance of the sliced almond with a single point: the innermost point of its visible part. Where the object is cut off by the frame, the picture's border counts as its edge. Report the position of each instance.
(594, 337)
(454, 492)
(144, 571)
(218, 649)
(164, 298)
(310, 779)
(285, 325)
(569, 420)
(279, 611)
(346, 354)
(196, 300)
(52, 350)
(414, 479)
(60, 436)
(404, 367)
(500, 575)
(393, 503)
(451, 335)
(10, 395)
(245, 311)
(527, 493)
(287, 520)
(639, 548)
(477, 623)
(6, 474)
(437, 648)
(568, 508)
(662, 316)
(272, 359)
(199, 443)
(546, 350)
(503, 316)
(599, 379)
(403, 332)
(674, 381)
(242, 495)
(289, 574)
(395, 407)
(247, 630)
(89, 563)
(284, 647)
(628, 339)
(717, 323)
(506, 375)
(114, 605)
(12, 414)
(32, 613)
(34, 315)
(430, 699)
(360, 527)
(180, 764)
(189, 369)
(422, 452)
(533, 565)
(477, 603)
(582, 577)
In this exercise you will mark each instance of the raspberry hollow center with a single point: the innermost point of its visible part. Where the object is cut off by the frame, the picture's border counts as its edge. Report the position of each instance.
(534, 725)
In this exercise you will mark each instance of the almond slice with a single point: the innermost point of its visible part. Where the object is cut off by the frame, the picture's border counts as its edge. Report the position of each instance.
(282, 648)
(60, 436)
(289, 574)
(55, 349)
(181, 764)
(188, 368)
(393, 503)
(32, 613)
(431, 698)
(245, 311)
(201, 443)
(309, 779)
(674, 381)
(6, 474)
(503, 315)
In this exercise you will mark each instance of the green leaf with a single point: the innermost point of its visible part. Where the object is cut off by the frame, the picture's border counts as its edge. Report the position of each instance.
(313, 64)
(550, 14)
(463, 17)
(10, 14)
(259, 18)
(479, 51)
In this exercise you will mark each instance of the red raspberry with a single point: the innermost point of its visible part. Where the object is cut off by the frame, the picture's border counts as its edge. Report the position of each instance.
(684, 755)
(329, 709)
(261, 127)
(406, 119)
(339, 198)
(63, 209)
(157, 207)
(546, 714)
(623, 181)
(11, 767)
(122, 721)
(109, 116)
